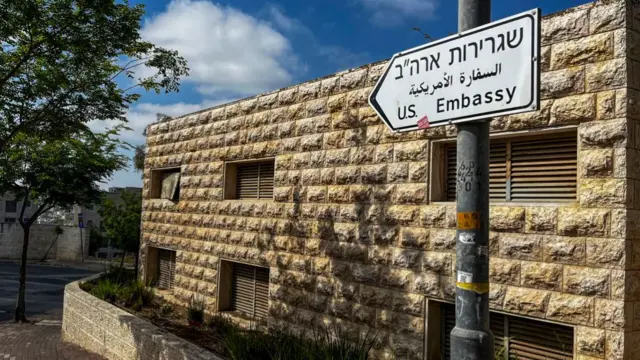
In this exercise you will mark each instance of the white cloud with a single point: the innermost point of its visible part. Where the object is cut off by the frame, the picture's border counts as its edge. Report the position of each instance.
(143, 114)
(227, 50)
(395, 12)
(338, 56)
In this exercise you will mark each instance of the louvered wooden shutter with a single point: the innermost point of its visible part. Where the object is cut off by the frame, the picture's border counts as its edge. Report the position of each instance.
(535, 340)
(166, 268)
(448, 313)
(250, 291)
(451, 172)
(255, 181)
(544, 169)
(526, 169)
(517, 338)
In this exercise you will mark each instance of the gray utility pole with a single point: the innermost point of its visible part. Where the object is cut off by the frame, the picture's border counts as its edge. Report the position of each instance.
(471, 339)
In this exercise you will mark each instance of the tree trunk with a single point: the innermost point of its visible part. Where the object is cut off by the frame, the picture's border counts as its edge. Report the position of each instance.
(49, 249)
(19, 315)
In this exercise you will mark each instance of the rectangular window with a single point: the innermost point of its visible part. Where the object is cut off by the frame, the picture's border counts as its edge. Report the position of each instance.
(166, 269)
(244, 289)
(9, 220)
(10, 206)
(515, 337)
(533, 168)
(249, 180)
(165, 184)
(90, 223)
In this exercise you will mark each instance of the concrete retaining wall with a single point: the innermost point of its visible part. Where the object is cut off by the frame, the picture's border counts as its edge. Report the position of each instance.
(66, 248)
(116, 334)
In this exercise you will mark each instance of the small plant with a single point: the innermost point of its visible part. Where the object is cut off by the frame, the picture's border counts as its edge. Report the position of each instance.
(136, 295)
(195, 312)
(166, 309)
(87, 286)
(220, 323)
(107, 290)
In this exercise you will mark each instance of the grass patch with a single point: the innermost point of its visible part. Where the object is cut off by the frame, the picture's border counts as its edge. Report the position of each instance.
(220, 334)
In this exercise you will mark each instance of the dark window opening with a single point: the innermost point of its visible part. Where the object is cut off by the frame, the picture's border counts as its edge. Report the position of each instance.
(165, 184)
(534, 169)
(166, 269)
(11, 206)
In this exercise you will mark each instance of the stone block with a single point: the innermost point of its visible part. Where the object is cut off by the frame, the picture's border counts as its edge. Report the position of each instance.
(411, 194)
(348, 175)
(596, 163)
(375, 297)
(437, 262)
(583, 222)
(526, 301)
(397, 172)
(353, 79)
(568, 26)
(607, 16)
(604, 134)
(407, 258)
(427, 283)
(527, 120)
(573, 109)
(608, 253)
(560, 83)
(362, 155)
(442, 240)
(587, 281)
(605, 193)
(542, 220)
(411, 151)
(581, 51)
(417, 238)
(433, 215)
(396, 278)
(606, 105)
(418, 172)
(615, 345)
(339, 194)
(607, 75)
(384, 153)
(541, 275)
(504, 271)
(570, 309)
(590, 341)
(374, 174)
(518, 246)
(508, 219)
(400, 214)
(412, 304)
(497, 294)
(613, 315)
(366, 274)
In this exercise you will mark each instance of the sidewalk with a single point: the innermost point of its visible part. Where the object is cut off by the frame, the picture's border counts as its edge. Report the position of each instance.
(38, 341)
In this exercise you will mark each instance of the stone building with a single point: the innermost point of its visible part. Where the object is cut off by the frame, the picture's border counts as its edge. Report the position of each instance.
(300, 207)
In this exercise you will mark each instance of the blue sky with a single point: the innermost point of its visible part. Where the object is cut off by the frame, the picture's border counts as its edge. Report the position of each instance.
(241, 48)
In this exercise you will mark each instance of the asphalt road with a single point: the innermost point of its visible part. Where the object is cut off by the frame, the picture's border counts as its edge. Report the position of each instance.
(44, 289)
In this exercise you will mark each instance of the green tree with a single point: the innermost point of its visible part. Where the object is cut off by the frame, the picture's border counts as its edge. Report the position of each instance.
(140, 150)
(64, 63)
(56, 172)
(121, 220)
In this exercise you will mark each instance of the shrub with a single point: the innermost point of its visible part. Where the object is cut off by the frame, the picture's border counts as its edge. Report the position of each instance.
(136, 295)
(106, 289)
(166, 309)
(87, 286)
(195, 312)
(120, 275)
(321, 344)
(220, 323)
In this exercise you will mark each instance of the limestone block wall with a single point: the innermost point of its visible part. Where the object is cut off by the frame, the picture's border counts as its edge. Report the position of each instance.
(66, 248)
(353, 235)
(118, 335)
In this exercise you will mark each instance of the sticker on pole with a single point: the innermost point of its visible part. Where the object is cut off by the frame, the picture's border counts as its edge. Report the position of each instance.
(487, 71)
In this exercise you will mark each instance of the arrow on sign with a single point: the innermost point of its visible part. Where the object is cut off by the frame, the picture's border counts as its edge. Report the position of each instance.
(492, 70)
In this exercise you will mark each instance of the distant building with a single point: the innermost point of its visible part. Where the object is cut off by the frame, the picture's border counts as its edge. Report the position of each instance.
(90, 214)
(10, 209)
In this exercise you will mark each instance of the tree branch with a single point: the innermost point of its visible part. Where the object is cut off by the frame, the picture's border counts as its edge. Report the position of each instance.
(19, 64)
(125, 68)
(24, 206)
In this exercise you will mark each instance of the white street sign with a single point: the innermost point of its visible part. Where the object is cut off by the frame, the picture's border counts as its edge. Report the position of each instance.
(488, 71)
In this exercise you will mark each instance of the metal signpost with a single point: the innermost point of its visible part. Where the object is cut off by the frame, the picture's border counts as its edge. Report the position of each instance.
(487, 70)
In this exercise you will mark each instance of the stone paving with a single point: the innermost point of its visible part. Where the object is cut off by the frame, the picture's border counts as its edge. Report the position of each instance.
(39, 341)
